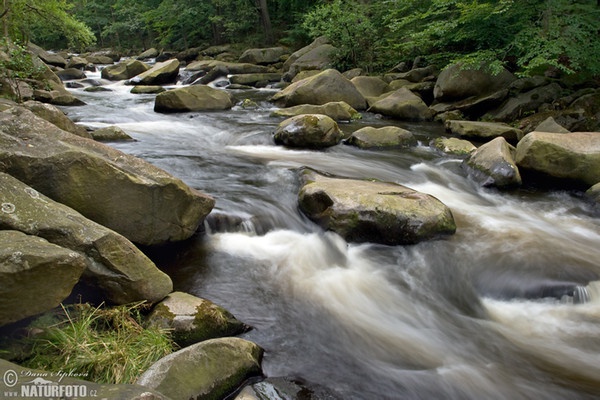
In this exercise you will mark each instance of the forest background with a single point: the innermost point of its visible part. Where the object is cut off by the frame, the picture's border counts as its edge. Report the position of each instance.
(525, 36)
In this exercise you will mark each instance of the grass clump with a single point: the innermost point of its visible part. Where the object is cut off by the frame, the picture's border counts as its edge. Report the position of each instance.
(104, 345)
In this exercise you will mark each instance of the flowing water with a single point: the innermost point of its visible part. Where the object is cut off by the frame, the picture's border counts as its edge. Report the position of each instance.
(487, 313)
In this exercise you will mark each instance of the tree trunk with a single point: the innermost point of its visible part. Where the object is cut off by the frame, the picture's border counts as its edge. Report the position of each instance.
(5, 19)
(265, 20)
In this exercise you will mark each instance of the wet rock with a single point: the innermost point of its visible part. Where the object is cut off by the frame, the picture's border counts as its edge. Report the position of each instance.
(483, 130)
(111, 134)
(113, 264)
(337, 110)
(574, 156)
(160, 74)
(147, 89)
(453, 146)
(207, 370)
(31, 265)
(493, 164)
(124, 193)
(193, 98)
(327, 86)
(308, 131)
(77, 62)
(124, 70)
(71, 74)
(148, 54)
(286, 388)
(192, 319)
(378, 212)
(403, 104)
(385, 137)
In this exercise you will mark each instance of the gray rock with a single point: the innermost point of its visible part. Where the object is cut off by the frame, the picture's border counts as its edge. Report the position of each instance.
(113, 264)
(550, 125)
(160, 74)
(385, 137)
(253, 79)
(493, 164)
(70, 74)
(403, 104)
(574, 156)
(379, 212)
(415, 75)
(77, 62)
(207, 370)
(230, 67)
(124, 70)
(453, 146)
(270, 55)
(111, 134)
(48, 58)
(483, 130)
(150, 89)
(455, 83)
(327, 86)
(308, 131)
(284, 388)
(56, 117)
(192, 319)
(524, 103)
(337, 110)
(370, 86)
(193, 98)
(35, 275)
(126, 194)
(150, 53)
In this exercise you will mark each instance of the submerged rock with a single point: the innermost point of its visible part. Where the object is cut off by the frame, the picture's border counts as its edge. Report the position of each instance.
(308, 131)
(207, 370)
(370, 211)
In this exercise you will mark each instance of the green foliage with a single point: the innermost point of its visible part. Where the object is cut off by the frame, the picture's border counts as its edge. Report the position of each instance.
(107, 345)
(16, 68)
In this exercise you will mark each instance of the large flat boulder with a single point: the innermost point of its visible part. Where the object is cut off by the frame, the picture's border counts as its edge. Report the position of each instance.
(160, 74)
(403, 104)
(124, 193)
(369, 211)
(327, 86)
(483, 131)
(385, 137)
(456, 82)
(124, 70)
(574, 156)
(492, 164)
(337, 110)
(370, 86)
(193, 98)
(314, 131)
(56, 116)
(35, 275)
(208, 370)
(113, 264)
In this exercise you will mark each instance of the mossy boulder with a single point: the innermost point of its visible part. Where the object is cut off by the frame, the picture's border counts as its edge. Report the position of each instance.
(121, 272)
(372, 211)
(483, 131)
(56, 116)
(572, 156)
(453, 146)
(124, 70)
(208, 370)
(192, 319)
(124, 193)
(255, 79)
(147, 89)
(370, 86)
(160, 74)
(385, 137)
(493, 164)
(402, 104)
(337, 110)
(308, 131)
(193, 98)
(111, 134)
(35, 275)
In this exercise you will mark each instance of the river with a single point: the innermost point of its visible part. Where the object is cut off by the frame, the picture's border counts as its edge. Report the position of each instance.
(478, 315)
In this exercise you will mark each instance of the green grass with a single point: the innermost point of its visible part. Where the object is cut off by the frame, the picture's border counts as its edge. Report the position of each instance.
(105, 345)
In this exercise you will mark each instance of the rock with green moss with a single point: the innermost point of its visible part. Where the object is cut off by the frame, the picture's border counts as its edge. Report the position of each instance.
(35, 275)
(147, 89)
(483, 131)
(403, 104)
(385, 137)
(337, 110)
(308, 131)
(124, 193)
(572, 156)
(193, 98)
(111, 134)
(453, 146)
(372, 211)
(255, 79)
(208, 370)
(113, 264)
(161, 73)
(124, 70)
(493, 164)
(192, 319)
(50, 383)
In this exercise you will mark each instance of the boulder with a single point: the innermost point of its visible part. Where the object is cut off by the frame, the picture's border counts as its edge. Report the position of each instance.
(230, 67)
(385, 137)
(370, 86)
(150, 53)
(70, 74)
(192, 319)
(337, 110)
(207, 370)
(111, 134)
(371, 211)
(319, 58)
(99, 59)
(280, 388)
(124, 70)
(415, 75)
(321, 40)
(493, 164)
(160, 74)
(124, 193)
(35, 275)
(80, 388)
(550, 125)
(327, 86)
(253, 79)
(308, 131)
(524, 103)
(48, 58)
(453, 146)
(474, 106)
(593, 194)
(193, 98)
(77, 62)
(483, 131)
(456, 83)
(574, 156)
(150, 89)
(403, 104)
(264, 56)
(57, 117)
(113, 264)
